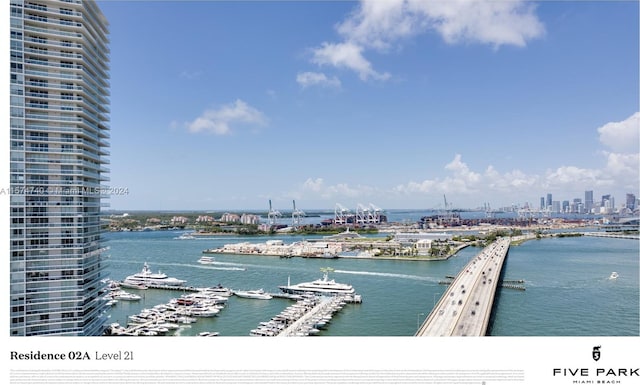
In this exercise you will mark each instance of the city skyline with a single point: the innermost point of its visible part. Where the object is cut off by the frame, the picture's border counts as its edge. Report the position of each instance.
(221, 105)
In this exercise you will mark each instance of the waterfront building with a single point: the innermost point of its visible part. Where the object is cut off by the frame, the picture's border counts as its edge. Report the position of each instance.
(411, 238)
(549, 200)
(179, 220)
(59, 115)
(230, 218)
(542, 204)
(204, 219)
(250, 219)
(424, 246)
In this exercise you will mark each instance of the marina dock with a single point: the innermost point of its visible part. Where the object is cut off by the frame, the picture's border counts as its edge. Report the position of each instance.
(465, 307)
(163, 318)
(168, 287)
(306, 317)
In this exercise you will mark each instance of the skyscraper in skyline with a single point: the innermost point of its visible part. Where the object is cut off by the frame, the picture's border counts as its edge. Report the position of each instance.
(588, 200)
(59, 114)
(631, 201)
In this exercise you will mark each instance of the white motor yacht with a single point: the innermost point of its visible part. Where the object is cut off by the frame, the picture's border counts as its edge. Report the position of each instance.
(125, 296)
(146, 277)
(255, 294)
(218, 290)
(319, 286)
(206, 260)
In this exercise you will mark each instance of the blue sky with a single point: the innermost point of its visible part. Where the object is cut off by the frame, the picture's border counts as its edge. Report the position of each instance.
(225, 105)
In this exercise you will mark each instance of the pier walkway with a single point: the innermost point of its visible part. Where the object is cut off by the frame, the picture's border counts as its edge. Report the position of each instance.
(465, 307)
(306, 321)
(611, 235)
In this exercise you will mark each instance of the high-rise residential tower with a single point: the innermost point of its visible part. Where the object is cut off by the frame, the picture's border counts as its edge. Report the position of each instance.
(631, 201)
(588, 200)
(59, 114)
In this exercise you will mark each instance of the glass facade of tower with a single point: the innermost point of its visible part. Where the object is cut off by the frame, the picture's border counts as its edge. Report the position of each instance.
(59, 114)
(588, 200)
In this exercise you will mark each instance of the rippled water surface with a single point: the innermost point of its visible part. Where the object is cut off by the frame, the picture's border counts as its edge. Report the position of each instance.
(568, 290)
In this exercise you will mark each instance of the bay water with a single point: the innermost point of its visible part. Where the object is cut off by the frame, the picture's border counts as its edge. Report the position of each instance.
(568, 290)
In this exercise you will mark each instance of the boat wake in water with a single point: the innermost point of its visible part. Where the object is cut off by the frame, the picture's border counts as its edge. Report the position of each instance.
(208, 266)
(222, 268)
(392, 275)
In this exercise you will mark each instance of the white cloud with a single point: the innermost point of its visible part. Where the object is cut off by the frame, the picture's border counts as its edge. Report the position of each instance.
(314, 185)
(377, 25)
(190, 75)
(623, 165)
(620, 171)
(618, 174)
(479, 21)
(316, 188)
(346, 55)
(218, 121)
(308, 79)
(461, 170)
(272, 94)
(567, 176)
(622, 136)
(462, 180)
(509, 181)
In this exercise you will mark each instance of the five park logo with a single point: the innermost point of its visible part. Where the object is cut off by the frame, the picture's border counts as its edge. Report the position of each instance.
(596, 353)
(598, 375)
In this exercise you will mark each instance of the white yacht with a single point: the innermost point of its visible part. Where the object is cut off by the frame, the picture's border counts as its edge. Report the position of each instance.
(146, 277)
(255, 294)
(613, 275)
(205, 260)
(125, 296)
(319, 286)
(218, 290)
(133, 285)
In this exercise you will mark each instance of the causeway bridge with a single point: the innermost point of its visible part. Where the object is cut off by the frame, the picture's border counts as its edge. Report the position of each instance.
(465, 307)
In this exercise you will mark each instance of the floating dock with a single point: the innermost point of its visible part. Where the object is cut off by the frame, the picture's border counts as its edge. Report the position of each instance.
(306, 317)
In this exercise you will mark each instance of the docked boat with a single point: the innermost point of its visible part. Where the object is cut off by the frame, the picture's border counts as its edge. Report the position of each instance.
(205, 260)
(613, 275)
(125, 296)
(133, 285)
(255, 294)
(320, 286)
(204, 312)
(146, 278)
(218, 290)
(208, 334)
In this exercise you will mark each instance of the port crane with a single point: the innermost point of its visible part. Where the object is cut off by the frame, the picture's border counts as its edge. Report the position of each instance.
(341, 214)
(273, 215)
(296, 216)
(368, 214)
